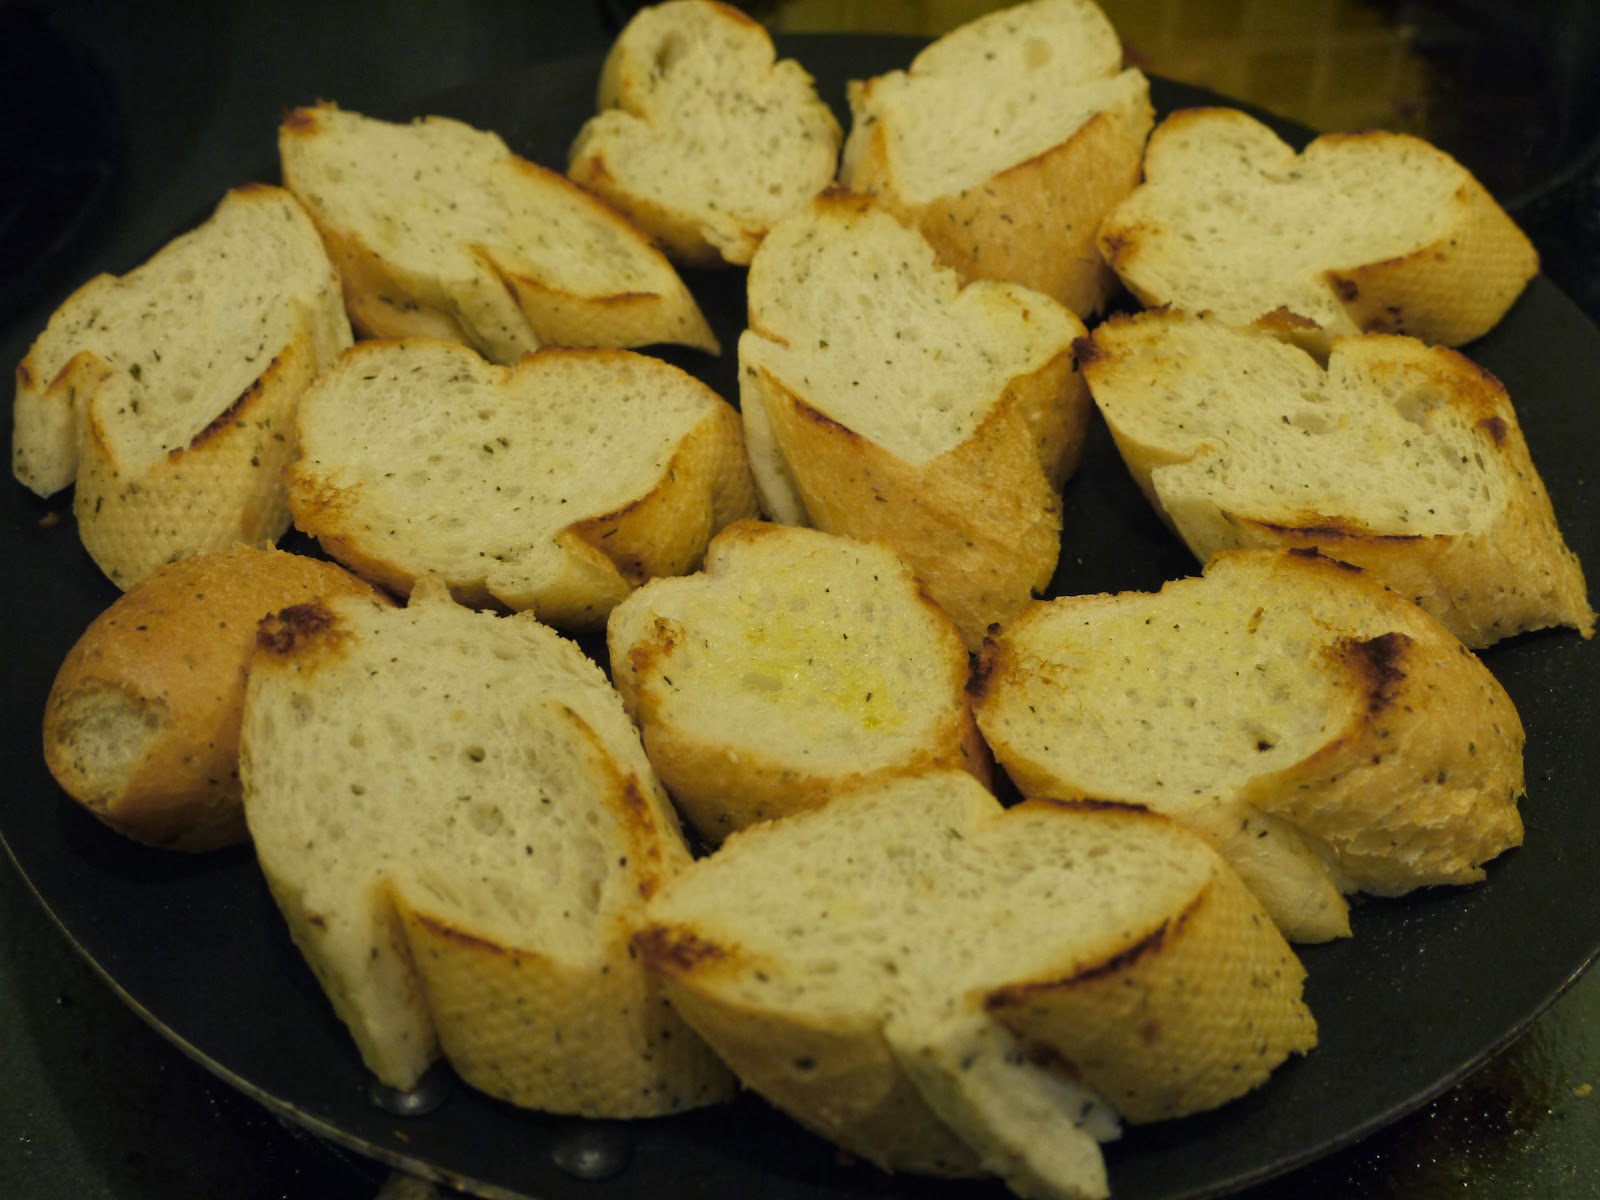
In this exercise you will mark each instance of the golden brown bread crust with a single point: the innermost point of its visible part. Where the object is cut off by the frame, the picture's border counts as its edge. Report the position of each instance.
(1432, 722)
(1035, 223)
(1116, 1021)
(511, 308)
(167, 662)
(1509, 572)
(980, 529)
(500, 938)
(720, 777)
(663, 529)
(836, 1075)
(1414, 780)
(1163, 1010)
(1447, 289)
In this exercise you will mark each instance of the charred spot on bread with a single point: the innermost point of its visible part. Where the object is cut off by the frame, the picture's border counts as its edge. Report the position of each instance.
(291, 630)
(1496, 428)
(1379, 663)
(983, 667)
(229, 416)
(1018, 995)
(447, 932)
(1327, 529)
(1316, 552)
(676, 951)
(300, 120)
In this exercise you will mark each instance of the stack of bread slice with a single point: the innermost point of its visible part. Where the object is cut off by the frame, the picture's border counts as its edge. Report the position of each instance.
(437, 228)
(1324, 733)
(884, 399)
(940, 984)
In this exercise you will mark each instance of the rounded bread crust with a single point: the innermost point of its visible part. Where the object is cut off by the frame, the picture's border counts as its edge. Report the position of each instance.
(165, 665)
(724, 773)
(1447, 278)
(501, 292)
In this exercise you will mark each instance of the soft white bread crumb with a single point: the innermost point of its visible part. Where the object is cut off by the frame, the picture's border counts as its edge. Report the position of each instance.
(555, 486)
(437, 228)
(1359, 232)
(1400, 457)
(1006, 142)
(798, 662)
(702, 137)
(460, 826)
(142, 723)
(1323, 732)
(885, 400)
(937, 983)
(168, 394)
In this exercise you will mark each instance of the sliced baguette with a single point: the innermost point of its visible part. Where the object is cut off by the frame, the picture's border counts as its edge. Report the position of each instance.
(1399, 457)
(168, 394)
(1007, 142)
(555, 486)
(1326, 734)
(797, 663)
(937, 983)
(1359, 232)
(885, 400)
(460, 827)
(703, 138)
(437, 228)
(142, 723)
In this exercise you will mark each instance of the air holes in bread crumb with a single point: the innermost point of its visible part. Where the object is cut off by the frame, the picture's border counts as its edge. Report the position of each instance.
(1415, 406)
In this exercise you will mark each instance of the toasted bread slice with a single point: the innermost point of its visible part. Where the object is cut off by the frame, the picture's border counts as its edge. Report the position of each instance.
(704, 138)
(437, 228)
(168, 394)
(1358, 233)
(798, 662)
(142, 723)
(1326, 734)
(935, 982)
(1007, 142)
(885, 400)
(1399, 457)
(557, 485)
(461, 827)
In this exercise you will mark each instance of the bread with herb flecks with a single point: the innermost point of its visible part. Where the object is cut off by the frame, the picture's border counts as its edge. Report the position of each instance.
(1324, 733)
(704, 138)
(795, 663)
(1397, 456)
(1007, 141)
(141, 726)
(555, 486)
(885, 399)
(943, 985)
(1358, 233)
(461, 829)
(168, 395)
(437, 228)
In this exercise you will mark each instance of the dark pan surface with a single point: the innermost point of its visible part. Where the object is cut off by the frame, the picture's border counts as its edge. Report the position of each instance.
(1425, 991)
